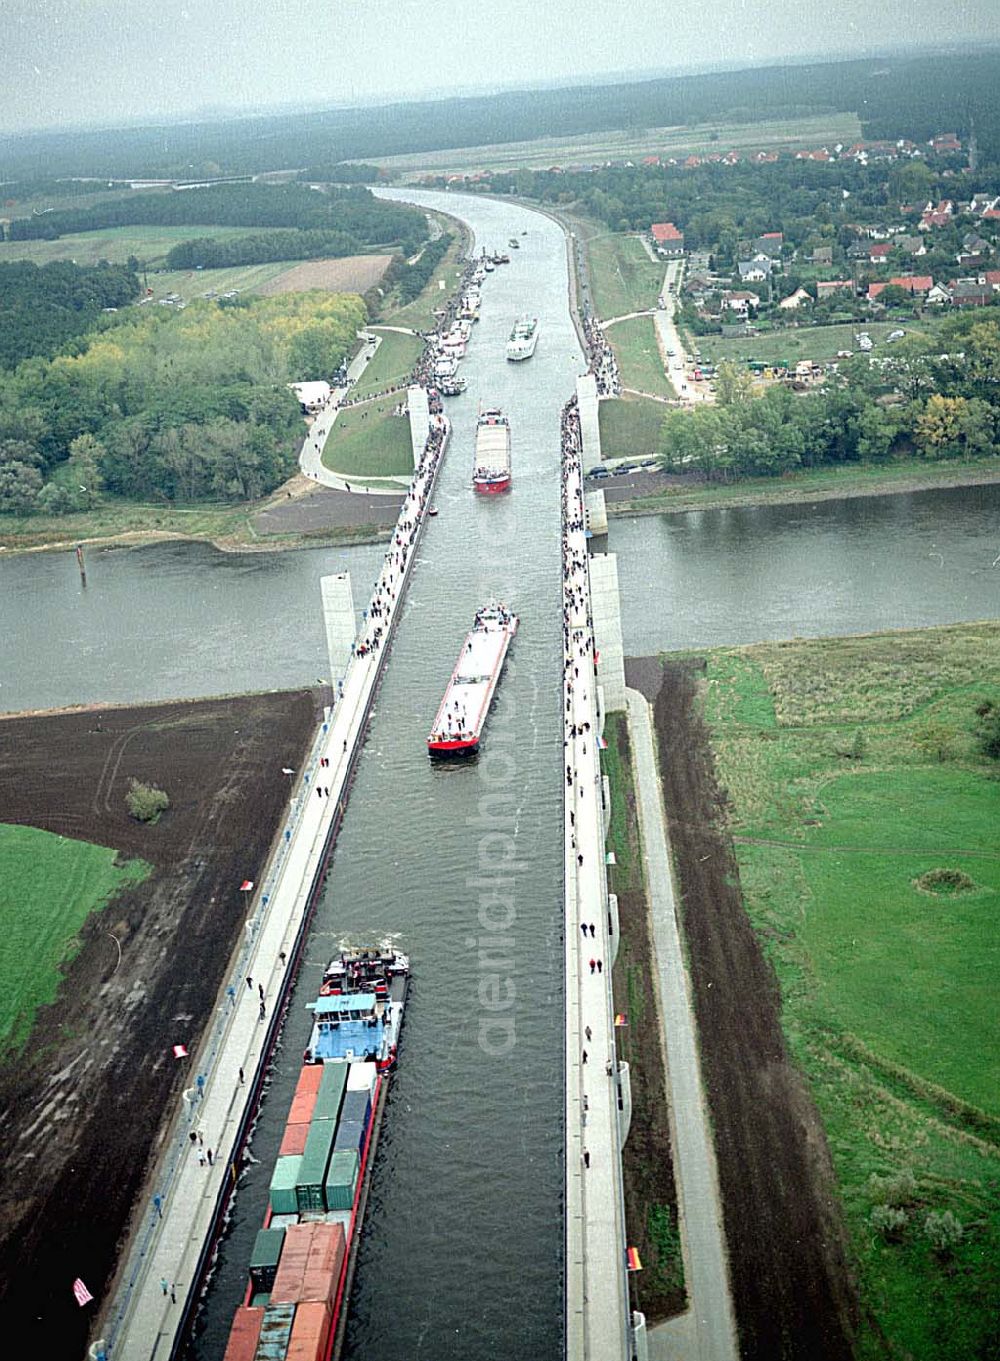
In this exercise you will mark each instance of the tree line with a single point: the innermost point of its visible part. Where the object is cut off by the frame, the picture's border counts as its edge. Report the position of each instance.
(169, 406)
(352, 210)
(933, 399)
(44, 307)
(409, 280)
(259, 248)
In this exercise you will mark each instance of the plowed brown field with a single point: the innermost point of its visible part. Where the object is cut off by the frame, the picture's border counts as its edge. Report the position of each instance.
(791, 1286)
(83, 1108)
(352, 274)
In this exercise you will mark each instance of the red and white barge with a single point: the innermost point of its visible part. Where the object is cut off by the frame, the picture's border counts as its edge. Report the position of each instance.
(491, 473)
(458, 726)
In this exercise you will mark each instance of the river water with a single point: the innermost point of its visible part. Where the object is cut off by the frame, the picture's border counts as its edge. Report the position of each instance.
(462, 1253)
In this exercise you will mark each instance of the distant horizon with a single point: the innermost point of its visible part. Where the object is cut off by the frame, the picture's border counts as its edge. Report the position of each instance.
(69, 65)
(220, 113)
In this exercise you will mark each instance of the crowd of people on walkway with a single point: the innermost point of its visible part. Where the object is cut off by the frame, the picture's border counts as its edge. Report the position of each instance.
(579, 685)
(378, 615)
(601, 361)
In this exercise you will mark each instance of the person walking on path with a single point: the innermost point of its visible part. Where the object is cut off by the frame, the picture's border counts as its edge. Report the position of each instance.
(249, 983)
(201, 1158)
(194, 1139)
(263, 1011)
(593, 965)
(600, 967)
(208, 1154)
(173, 1294)
(260, 989)
(201, 1139)
(282, 957)
(586, 1158)
(241, 1077)
(589, 1034)
(164, 1285)
(585, 1056)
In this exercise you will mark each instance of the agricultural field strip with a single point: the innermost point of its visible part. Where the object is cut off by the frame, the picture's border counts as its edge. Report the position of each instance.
(670, 141)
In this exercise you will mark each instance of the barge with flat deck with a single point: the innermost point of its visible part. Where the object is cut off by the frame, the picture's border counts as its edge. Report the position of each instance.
(458, 726)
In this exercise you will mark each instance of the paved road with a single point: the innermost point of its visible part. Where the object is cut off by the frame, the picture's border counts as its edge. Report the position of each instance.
(708, 1331)
(311, 456)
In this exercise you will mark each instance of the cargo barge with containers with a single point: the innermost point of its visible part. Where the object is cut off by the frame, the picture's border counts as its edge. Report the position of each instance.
(300, 1274)
(461, 717)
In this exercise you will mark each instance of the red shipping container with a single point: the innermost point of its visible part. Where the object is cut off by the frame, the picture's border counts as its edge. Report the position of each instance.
(310, 1333)
(326, 1257)
(244, 1334)
(294, 1139)
(306, 1091)
(288, 1278)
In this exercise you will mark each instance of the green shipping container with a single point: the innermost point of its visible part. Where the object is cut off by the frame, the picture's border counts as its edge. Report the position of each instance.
(342, 1180)
(331, 1091)
(283, 1183)
(264, 1258)
(312, 1173)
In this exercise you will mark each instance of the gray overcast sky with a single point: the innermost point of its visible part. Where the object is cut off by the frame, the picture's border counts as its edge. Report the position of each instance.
(71, 61)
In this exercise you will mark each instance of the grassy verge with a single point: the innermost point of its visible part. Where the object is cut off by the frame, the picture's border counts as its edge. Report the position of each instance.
(369, 441)
(630, 427)
(622, 276)
(650, 1194)
(813, 485)
(817, 343)
(391, 365)
(419, 314)
(634, 343)
(49, 887)
(148, 244)
(853, 774)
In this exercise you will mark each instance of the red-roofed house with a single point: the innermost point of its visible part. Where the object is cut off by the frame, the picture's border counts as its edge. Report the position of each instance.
(917, 284)
(668, 242)
(827, 286)
(992, 277)
(878, 254)
(945, 142)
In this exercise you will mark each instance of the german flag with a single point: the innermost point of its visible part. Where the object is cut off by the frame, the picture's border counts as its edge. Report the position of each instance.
(632, 1259)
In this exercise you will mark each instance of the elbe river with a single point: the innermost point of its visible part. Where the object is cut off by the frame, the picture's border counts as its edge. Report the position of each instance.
(462, 1253)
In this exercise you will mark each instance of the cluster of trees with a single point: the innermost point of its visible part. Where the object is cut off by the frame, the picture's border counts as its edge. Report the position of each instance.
(896, 97)
(346, 172)
(352, 210)
(258, 248)
(44, 307)
(410, 280)
(936, 400)
(170, 406)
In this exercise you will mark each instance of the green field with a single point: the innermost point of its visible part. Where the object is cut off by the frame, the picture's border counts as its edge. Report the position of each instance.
(586, 148)
(622, 276)
(147, 244)
(49, 887)
(369, 441)
(634, 342)
(818, 343)
(630, 427)
(852, 771)
(392, 363)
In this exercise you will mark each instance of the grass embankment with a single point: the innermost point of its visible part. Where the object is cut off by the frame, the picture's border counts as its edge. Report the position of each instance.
(853, 773)
(818, 343)
(640, 365)
(650, 1192)
(630, 427)
(369, 441)
(391, 364)
(623, 278)
(816, 484)
(148, 244)
(49, 887)
(419, 314)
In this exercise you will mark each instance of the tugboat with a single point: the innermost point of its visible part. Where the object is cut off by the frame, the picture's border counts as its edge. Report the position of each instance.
(458, 725)
(491, 473)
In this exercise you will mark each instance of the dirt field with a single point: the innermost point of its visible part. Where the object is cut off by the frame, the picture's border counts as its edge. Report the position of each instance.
(319, 508)
(352, 274)
(791, 1287)
(81, 1109)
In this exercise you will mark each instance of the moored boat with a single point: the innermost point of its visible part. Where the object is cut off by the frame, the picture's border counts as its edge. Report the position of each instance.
(303, 1259)
(458, 724)
(491, 472)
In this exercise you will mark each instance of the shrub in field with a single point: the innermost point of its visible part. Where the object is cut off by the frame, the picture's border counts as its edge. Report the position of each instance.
(943, 1230)
(888, 1220)
(145, 802)
(945, 882)
(893, 1191)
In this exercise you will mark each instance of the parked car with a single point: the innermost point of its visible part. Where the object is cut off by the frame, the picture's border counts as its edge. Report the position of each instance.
(895, 335)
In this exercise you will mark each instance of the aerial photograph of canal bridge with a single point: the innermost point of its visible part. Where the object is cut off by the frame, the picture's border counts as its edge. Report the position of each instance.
(500, 696)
